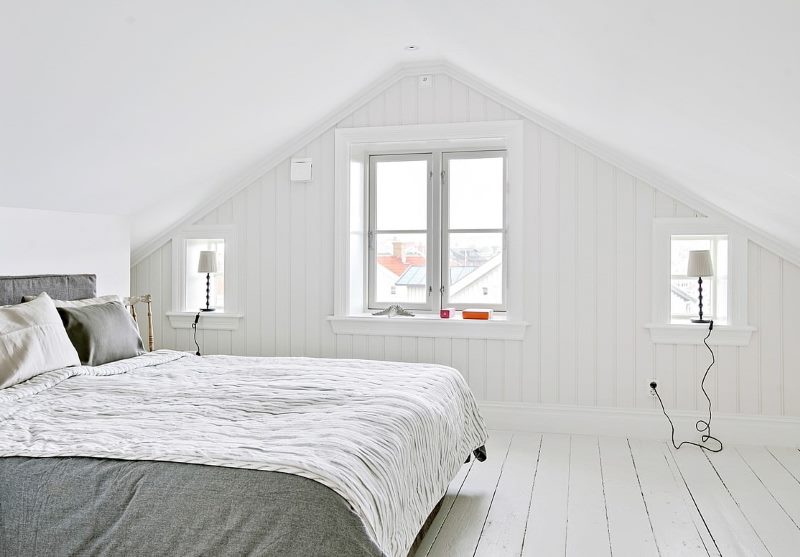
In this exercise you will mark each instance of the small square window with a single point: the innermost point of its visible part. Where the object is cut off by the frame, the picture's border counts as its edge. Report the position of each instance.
(196, 281)
(189, 283)
(684, 292)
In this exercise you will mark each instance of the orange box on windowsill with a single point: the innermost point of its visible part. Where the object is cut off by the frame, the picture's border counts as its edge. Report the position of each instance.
(484, 314)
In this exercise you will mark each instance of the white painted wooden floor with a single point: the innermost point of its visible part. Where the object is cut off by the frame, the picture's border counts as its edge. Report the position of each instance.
(587, 496)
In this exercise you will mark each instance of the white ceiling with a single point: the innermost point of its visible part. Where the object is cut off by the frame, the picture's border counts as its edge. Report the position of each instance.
(148, 107)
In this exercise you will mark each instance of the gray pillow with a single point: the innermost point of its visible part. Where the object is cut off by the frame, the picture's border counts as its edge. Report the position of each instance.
(102, 333)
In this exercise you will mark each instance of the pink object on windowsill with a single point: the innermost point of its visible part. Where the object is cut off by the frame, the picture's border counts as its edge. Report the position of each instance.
(447, 313)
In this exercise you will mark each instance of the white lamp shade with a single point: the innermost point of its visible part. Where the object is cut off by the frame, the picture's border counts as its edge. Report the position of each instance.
(700, 264)
(208, 262)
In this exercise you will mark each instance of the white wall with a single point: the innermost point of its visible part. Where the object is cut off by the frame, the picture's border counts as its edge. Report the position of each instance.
(54, 242)
(587, 281)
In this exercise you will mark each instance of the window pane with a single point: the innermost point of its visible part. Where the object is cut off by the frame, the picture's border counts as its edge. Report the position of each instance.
(476, 193)
(685, 299)
(721, 264)
(475, 268)
(680, 252)
(401, 191)
(196, 282)
(401, 272)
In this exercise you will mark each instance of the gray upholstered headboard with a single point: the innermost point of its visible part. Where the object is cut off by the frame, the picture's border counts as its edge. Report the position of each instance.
(58, 287)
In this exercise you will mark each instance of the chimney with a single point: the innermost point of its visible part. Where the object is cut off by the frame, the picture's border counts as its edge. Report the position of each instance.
(397, 251)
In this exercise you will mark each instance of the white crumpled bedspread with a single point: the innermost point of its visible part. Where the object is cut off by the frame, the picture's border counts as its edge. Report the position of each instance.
(386, 436)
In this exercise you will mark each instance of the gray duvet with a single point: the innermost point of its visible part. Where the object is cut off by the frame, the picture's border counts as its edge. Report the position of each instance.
(88, 506)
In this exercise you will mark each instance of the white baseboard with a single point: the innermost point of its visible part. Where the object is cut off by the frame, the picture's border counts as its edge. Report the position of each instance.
(639, 423)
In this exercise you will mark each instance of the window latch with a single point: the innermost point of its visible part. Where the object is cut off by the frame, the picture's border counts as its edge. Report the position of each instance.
(370, 239)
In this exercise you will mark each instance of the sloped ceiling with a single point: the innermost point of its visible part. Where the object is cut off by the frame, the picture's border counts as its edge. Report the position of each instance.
(146, 108)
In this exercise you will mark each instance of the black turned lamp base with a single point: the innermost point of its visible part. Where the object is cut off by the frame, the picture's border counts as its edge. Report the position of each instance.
(207, 309)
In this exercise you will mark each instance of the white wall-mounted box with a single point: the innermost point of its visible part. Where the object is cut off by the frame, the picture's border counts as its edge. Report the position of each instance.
(300, 170)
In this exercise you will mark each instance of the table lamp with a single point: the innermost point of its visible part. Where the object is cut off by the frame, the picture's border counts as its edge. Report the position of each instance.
(700, 265)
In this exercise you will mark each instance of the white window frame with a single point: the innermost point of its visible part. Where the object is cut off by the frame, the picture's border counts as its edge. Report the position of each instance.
(352, 146)
(711, 303)
(438, 227)
(446, 157)
(431, 220)
(736, 331)
(182, 317)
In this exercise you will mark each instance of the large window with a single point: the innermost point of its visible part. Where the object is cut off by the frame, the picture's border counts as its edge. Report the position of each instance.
(437, 229)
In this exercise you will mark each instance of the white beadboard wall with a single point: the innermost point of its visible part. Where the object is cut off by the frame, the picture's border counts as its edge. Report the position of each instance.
(587, 273)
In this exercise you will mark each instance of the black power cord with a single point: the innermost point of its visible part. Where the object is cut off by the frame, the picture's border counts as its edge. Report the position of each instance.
(194, 330)
(703, 426)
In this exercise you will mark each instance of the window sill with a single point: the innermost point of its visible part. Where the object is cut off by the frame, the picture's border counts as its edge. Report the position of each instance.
(209, 320)
(694, 333)
(497, 328)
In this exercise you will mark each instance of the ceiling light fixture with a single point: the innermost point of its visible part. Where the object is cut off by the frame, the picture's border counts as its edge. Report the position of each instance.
(412, 47)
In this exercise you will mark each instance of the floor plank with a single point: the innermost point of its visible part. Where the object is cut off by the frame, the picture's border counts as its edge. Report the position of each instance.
(674, 530)
(504, 530)
(789, 459)
(461, 531)
(689, 502)
(784, 487)
(444, 511)
(587, 520)
(773, 526)
(546, 532)
(629, 526)
(732, 533)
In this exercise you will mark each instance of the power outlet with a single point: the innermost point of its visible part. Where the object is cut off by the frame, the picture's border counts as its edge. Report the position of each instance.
(652, 387)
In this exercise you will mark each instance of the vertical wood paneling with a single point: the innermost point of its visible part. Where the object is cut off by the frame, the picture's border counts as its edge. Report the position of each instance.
(459, 355)
(408, 101)
(477, 367)
(587, 268)
(253, 287)
(642, 285)
(495, 369)
(531, 268)
(268, 259)
(625, 290)
(791, 332)
(568, 317)
(425, 350)
(750, 383)
(586, 279)
(442, 351)
(393, 349)
(605, 317)
(325, 243)
(771, 326)
(283, 277)
(550, 314)
(685, 386)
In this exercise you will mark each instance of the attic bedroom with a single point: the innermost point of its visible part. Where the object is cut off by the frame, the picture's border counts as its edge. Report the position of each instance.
(400, 279)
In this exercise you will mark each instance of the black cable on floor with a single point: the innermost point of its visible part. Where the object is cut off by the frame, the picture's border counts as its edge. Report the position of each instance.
(703, 426)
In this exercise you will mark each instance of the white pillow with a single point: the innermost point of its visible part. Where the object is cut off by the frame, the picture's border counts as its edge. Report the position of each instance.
(32, 341)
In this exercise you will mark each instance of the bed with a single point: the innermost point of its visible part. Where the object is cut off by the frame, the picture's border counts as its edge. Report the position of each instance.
(167, 453)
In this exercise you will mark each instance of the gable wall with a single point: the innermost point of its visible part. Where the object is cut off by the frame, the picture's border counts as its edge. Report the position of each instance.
(588, 224)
